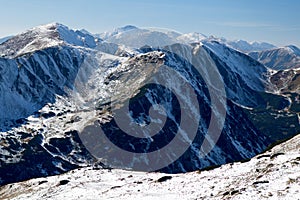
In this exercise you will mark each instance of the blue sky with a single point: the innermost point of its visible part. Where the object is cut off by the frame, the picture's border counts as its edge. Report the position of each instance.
(262, 20)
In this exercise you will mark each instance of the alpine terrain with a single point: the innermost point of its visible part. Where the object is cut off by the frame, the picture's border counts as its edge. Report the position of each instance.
(145, 100)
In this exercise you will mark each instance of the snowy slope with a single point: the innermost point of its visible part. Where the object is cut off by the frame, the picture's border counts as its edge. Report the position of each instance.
(30, 81)
(272, 175)
(38, 64)
(241, 64)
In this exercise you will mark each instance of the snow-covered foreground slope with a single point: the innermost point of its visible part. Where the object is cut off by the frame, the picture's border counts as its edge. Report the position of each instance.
(274, 174)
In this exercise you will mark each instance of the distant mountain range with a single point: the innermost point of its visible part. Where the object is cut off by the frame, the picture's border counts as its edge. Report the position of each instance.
(137, 37)
(59, 84)
(279, 58)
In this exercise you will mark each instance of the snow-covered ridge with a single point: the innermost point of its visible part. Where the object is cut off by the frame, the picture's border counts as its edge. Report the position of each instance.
(45, 36)
(280, 58)
(245, 46)
(272, 175)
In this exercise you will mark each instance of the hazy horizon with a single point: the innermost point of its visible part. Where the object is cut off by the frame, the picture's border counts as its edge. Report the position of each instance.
(262, 21)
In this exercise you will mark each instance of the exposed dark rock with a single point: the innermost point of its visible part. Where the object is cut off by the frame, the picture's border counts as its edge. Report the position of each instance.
(164, 178)
(63, 182)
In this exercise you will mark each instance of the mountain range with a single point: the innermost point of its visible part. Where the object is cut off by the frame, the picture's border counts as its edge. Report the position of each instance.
(128, 35)
(59, 85)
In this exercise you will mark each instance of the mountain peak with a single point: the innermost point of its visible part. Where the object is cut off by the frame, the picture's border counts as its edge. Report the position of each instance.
(127, 28)
(45, 36)
(108, 34)
(192, 37)
(49, 26)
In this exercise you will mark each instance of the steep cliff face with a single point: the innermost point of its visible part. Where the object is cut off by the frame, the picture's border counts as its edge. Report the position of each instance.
(76, 100)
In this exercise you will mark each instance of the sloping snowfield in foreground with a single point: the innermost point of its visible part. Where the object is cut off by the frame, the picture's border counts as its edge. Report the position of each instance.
(274, 174)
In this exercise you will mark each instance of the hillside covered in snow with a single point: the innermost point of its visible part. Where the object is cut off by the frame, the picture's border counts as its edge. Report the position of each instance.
(274, 174)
